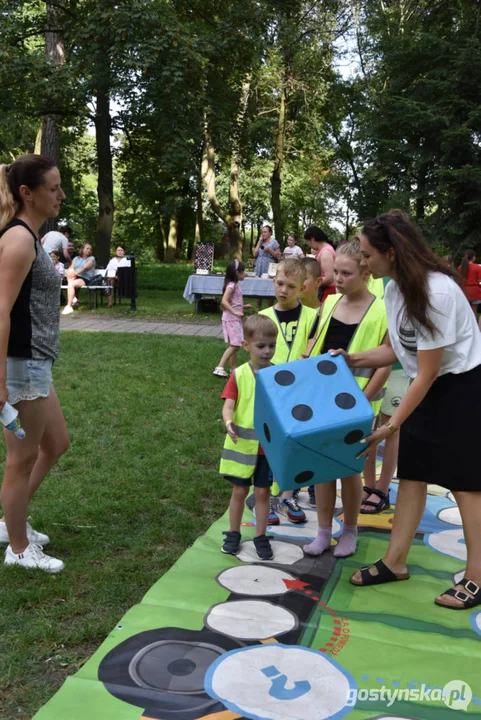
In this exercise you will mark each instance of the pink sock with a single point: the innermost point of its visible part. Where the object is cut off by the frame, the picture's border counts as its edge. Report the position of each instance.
(347, 542)
(321, 543)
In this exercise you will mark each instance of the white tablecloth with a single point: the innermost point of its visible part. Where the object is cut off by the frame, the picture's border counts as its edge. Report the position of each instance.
(212, 285)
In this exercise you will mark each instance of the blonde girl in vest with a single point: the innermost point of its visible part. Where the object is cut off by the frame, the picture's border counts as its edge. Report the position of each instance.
(354, 318)
(233, 306)
(243, 461)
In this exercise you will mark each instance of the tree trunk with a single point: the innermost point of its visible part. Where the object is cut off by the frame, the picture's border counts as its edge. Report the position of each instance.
(180, 233)
(199, 218)
(232, 222)
(51, 139)
(49, 134)
(276, 178)
(105, 188)
(421, 190)
(208, 174)
(234, 227)
(161, 240)
(233, 217)
(172, 239)
(38, 141)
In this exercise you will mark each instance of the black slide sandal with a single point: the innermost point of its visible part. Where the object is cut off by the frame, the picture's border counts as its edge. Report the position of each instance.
(467, 601)
(385, 575)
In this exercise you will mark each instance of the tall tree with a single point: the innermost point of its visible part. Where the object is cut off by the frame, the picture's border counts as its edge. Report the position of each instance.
(232, 215)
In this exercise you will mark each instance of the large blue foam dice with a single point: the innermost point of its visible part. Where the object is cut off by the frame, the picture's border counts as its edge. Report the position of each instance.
(310, 416)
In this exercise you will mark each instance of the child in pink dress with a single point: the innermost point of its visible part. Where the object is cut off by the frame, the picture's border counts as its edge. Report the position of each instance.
(233, 307)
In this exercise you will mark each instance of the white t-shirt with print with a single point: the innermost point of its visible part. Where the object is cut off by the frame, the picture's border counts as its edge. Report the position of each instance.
(293, 252)
(457, 330)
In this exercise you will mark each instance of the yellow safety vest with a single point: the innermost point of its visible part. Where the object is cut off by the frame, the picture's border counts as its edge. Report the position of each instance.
(369, 334)
(283, 352)
(376, 286)
(239, 459)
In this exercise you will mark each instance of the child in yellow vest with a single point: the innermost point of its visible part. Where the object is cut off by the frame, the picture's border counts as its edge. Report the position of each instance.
(296, 324)
(243, 461)
(353, 319)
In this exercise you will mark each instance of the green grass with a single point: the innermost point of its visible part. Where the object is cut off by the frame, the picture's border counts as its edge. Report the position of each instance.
(160, 296)
(138, 485)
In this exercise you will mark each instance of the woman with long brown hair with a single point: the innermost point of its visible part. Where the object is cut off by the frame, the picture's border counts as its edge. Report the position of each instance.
(79, 274)
(434, 334)
(30, 192)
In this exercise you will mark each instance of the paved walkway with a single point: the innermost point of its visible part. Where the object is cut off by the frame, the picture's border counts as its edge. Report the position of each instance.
(138, 326)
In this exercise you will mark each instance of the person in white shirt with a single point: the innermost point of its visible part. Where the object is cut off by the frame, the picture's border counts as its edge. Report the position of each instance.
(434, 334)
(58, 240)
(293, 250)
(119, 260)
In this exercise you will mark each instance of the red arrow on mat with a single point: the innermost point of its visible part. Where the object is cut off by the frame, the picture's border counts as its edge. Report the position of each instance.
(295, 584)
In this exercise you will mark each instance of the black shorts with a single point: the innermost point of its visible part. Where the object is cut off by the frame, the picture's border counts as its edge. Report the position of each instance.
(262, 476)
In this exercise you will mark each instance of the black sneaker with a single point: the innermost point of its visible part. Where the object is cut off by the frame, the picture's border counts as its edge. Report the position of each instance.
(295, 494)
(231, 542)
(312, 496)
(263, 547)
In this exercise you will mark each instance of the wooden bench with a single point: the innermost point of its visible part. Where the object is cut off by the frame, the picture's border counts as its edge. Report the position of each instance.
(94, 290)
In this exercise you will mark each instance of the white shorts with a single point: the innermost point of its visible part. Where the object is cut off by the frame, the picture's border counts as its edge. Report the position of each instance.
(397, 386)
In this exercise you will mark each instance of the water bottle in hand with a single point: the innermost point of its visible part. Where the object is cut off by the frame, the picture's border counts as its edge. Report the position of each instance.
(9, 418)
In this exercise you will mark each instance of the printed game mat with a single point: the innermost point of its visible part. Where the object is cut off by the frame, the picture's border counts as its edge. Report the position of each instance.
(225, 638)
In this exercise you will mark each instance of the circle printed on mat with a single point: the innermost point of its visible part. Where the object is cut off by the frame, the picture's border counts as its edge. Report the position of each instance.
(254, 580)
(448, 542)
(450, 515)
(280, 681)
(284, 553)
(250, 619)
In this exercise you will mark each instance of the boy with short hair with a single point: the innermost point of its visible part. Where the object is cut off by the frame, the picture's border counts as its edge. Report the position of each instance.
(310, 289)
(243, 461)
(296, 325)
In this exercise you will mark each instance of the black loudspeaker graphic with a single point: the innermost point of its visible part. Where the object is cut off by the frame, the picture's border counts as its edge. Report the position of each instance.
(163, 671)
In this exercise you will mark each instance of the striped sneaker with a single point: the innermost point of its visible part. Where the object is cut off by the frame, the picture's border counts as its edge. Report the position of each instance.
(33, 536)
(290, 508)
(273, 517)
(33, 557)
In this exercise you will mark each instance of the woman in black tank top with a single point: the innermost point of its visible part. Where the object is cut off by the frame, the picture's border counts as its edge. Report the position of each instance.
(30, 192)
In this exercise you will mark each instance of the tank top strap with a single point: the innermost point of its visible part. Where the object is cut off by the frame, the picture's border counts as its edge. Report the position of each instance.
(14, 223)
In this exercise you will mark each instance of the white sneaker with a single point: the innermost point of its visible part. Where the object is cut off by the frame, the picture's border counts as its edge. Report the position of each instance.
(67, 310)
(75, 302)
(221, 372)
(33, 557)
(33, 536)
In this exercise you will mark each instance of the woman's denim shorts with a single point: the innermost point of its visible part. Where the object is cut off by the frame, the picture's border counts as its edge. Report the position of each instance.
(28, 379)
